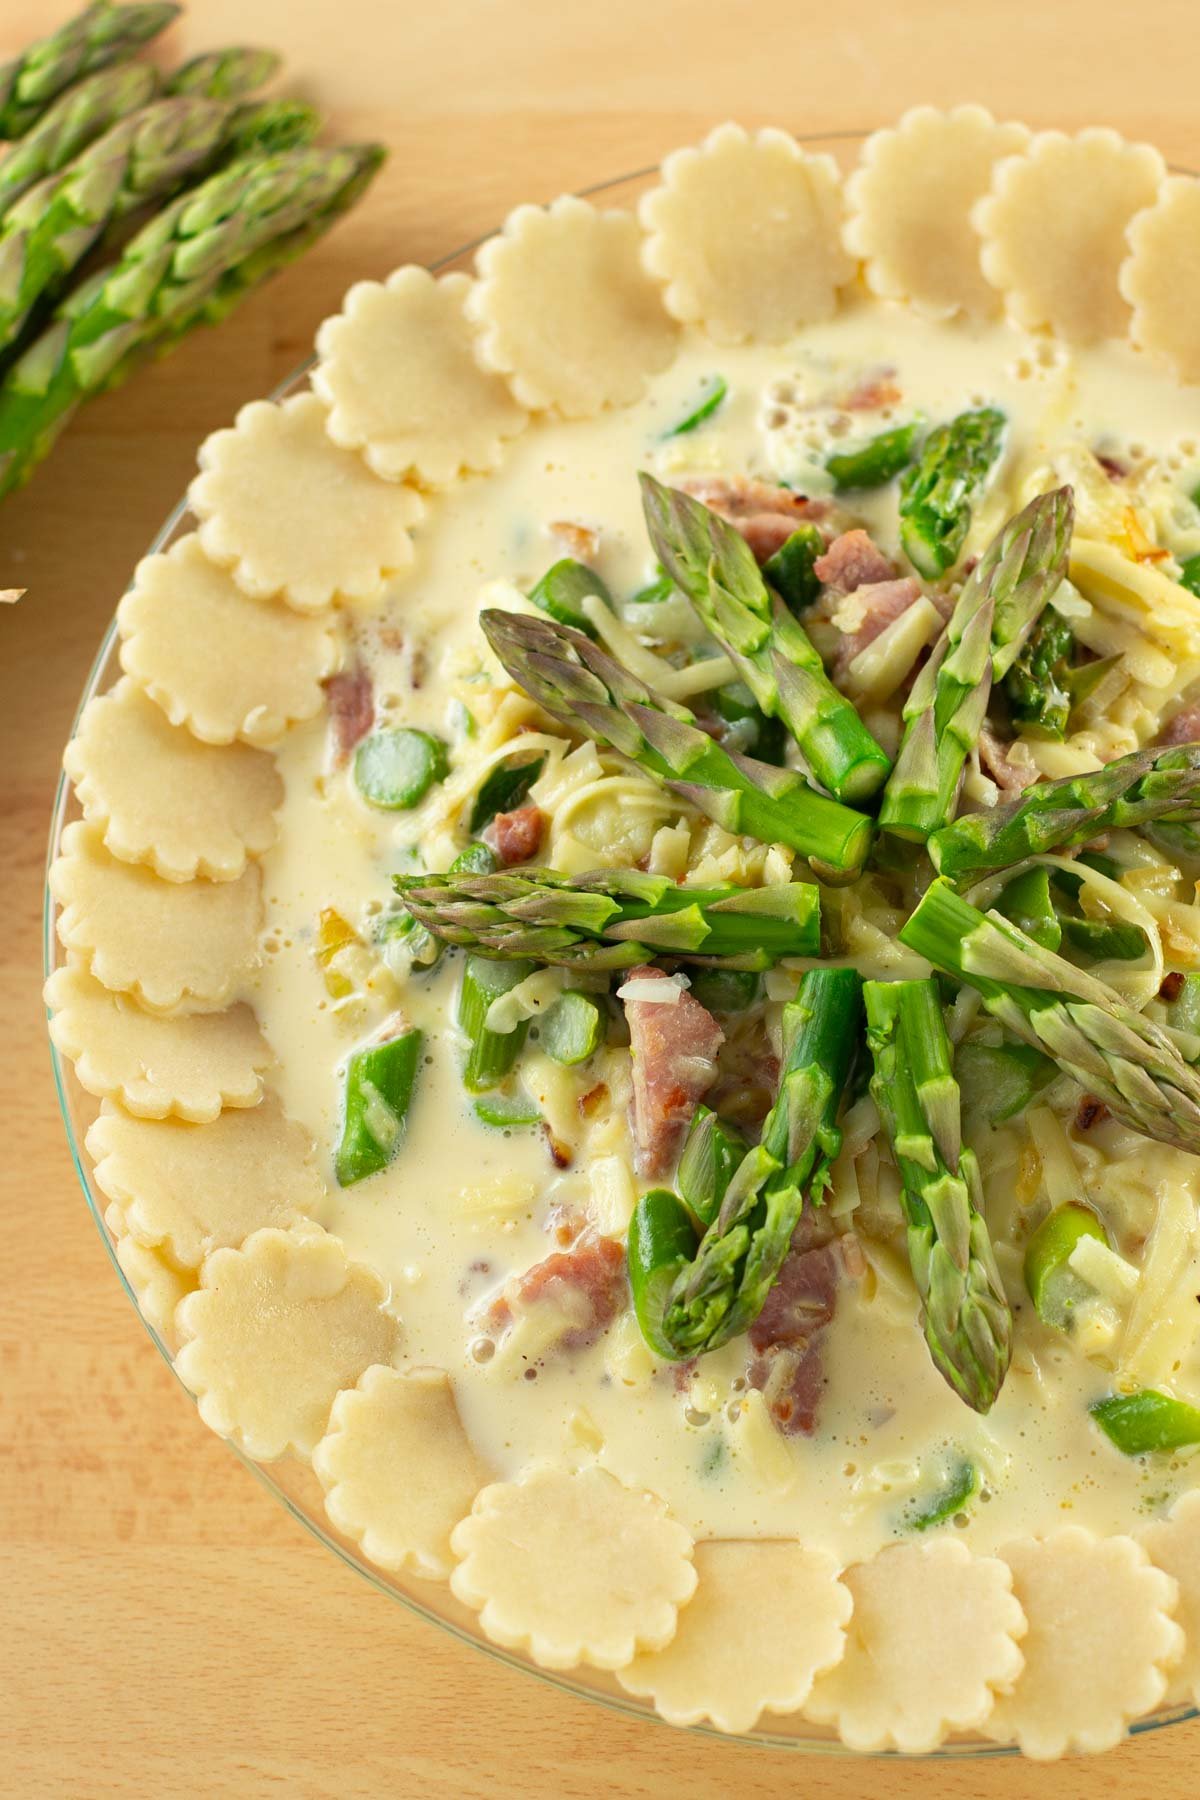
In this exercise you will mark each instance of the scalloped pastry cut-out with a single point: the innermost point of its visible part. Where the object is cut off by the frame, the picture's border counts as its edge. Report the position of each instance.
(1173, 1545)
(292, 514)
(767, 1618)
(574, 1568)
(156, 1285)
(1161, 277)
(161, 797)
(745, 232)
(398, 371)
(932, 1638)
(565, 310)
(910, 201)
(274, 1331)
(224, 665)
(1100, 1642)
(1053, 229)
(172, 944)
(190, 1065)
(398, 1469)
(198, 1188)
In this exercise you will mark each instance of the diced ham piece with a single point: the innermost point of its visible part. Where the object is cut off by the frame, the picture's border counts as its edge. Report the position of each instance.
(786, 1338)
(875, 388)
(765, 515)
(351, 709)
(516, 836)
(1008, 776)
(1184, 728)
(579, 541)
(586, 1283)
(674, 1049)
(876, 605)
(852, 561)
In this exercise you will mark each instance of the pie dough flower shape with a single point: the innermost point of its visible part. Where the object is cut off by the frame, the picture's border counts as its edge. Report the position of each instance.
(192, 1189)
(909, 204)
(1054, 229)
(189, 1065)
(1173, 1545)
(398, 1469)
(159, 796)
(1101, 1640)
(399, 373)
(565, 310)
(290, 513)
(1160, 276)
(225, 666)
(156, 1286)
(173, 945)
(767, 1618)
(932, 1638)
(274, 1331)
(746, 233)
(573, 1568)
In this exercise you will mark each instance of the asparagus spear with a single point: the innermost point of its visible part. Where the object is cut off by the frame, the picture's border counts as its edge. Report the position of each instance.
(999, 603)
(967, 1319)
(490, 1054)
(225, 74)
(714, 566)
(75, 120)
(614, 918)
(1148, 1420)
(166, 275)
(266, 127)
(723, 1289)
(791, 571)
(877, 461)
(378, 1091)
(937, 493)
(580, 684)
(1112, 1051)
(710, 1158)
(1054, 1287)
(1036, 689)
(52, 227)
(101, 35)
(1160, 786)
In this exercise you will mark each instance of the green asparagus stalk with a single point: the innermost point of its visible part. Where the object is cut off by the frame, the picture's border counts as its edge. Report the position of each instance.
(937, 493)
(710, 1158)
(966, 1316)
(490, 1054)
(103, 34)
(1147, 786)
(1113, 1052)
(580, 684)
(791, 572)
(52, 227)
(1147, 1421)
(877, 461)
(1055, 1289)
(267, 127)
(723, 1289)
(572, 1029)
(614, 918)
(169, 273)
(997, 1081)
(714, 566)
(378, 1092)
(225, 74)
(76, 120)
(999, 604)
(1036, 687)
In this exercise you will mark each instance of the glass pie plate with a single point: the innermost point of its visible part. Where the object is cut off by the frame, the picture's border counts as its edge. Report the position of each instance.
(292, 1483)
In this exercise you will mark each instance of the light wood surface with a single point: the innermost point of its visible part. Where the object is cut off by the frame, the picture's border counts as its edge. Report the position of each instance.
(165, 1629)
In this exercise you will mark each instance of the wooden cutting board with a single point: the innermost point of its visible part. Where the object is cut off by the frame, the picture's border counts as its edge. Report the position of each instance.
(165, 1629)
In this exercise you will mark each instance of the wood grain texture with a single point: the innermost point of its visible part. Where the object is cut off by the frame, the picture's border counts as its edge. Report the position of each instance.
(167, 1630)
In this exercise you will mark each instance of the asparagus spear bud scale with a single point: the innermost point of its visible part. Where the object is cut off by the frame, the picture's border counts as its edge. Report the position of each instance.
(101, 35)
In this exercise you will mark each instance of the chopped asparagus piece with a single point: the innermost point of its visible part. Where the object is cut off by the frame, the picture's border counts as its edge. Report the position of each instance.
(1189, 574)
(399, 932)
(1054, 1287)
(998, 1081)
(878, 461)
(507, 1111)
(1183, 1013)
(476, 859)
(937, 493)
(503, 789)
(754, 734)
(726, 990)
(1037, 687)
(790, 571)
(490, 1054)
(661, 1243)
(1070, 882)
(572, 1029)
(378, 1091)
(713, 398)
(1026, 901)
(1107, 940)
(563, 589)
(712, 1153)
(1147, 1421)
(955, 1494)
(396, 769)
(654, 593)
(967, 1320)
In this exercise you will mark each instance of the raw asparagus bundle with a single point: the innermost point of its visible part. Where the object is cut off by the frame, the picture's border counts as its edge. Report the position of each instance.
(1112, 1051)
(966, 1316)
(101, 35)
(713, 565)
(165, 275)
(721, 1292)
(614, 919)
(76, 120)
(1161, 786)
(998, 607)
(577, 682)
(937, 493)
